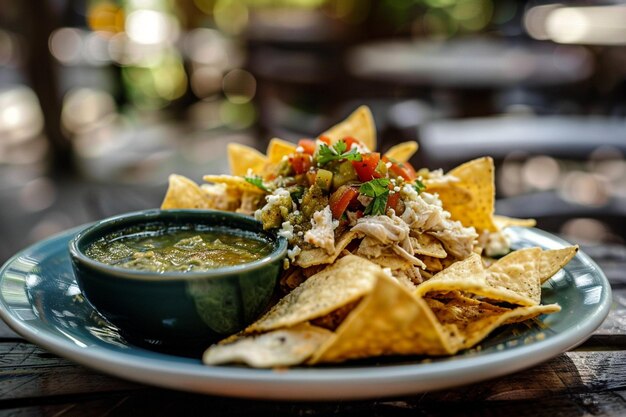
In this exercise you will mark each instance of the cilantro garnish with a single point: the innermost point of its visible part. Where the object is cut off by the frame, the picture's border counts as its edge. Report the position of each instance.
(258, 181)
(378, 190)
(419, 186)
(336, 153)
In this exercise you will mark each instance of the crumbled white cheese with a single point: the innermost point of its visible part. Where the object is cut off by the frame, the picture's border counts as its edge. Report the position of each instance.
(292, 253)
(396, 189)
(435, 173)
(300, 149)
(431, 199)
(362, 149)
(322, 233)
(497, 244)
(276, 195)
(388, 164)
(286, 231)
(409, 193)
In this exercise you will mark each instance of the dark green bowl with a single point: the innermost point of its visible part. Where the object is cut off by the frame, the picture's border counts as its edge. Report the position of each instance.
(178, 308)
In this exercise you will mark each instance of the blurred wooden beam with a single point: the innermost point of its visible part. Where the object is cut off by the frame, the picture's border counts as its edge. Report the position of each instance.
(39, 20)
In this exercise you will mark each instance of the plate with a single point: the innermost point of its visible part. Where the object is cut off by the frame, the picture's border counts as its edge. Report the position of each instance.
(40, 300)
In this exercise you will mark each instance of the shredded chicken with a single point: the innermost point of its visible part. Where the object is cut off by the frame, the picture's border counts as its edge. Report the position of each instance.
(422, 216)
(457, 239)
(423, 213)
(322, 233)
(385, 231)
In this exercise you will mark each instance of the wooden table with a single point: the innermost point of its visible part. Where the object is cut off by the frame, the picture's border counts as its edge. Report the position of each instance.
(589, 380)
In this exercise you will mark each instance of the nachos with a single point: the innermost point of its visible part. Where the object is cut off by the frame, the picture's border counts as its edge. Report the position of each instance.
(383, 259)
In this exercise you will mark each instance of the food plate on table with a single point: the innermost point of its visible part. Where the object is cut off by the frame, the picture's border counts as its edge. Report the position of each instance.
(396, 281)
(41, 301)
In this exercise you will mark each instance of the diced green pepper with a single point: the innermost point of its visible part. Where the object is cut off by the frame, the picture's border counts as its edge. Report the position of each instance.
(344, 174)
(324, 179)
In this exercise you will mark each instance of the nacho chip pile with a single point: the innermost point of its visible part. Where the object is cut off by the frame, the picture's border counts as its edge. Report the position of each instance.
(390, 261)
(454, 310)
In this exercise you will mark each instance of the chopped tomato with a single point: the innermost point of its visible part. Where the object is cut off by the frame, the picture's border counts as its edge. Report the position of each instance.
(402, 169)
(325, 139)
(300, 162)
(392, 202)
(340, 199)
(349, 140)
(308, 145)
(366, 167)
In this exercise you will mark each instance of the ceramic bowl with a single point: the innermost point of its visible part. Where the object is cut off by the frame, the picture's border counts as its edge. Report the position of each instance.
(178, 308)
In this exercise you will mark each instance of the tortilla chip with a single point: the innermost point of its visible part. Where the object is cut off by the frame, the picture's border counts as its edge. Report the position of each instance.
(233, 182)
(473, 320)
(324, 292)
(391, 261)
(424, 244)
(471, 199)
(222, 197)
(524, 270)
(470, 277)
(388, 321)
(551, 261)
(502, 222)
(283, 347)
(318, 256)
(242, 158)
(518, 271)
(184, 193)
(402, 152)
(359, 125)
(279, 148)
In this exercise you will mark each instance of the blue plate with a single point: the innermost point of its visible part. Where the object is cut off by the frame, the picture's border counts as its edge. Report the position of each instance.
(40, 300)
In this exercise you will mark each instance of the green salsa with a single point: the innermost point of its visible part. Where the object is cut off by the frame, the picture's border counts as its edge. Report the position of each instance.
(178, 249)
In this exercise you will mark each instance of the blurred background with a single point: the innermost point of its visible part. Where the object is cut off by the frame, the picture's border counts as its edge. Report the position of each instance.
(101, 99)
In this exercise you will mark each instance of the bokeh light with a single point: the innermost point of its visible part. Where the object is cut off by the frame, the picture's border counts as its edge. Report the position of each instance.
(151, 27)
(37, 194)
(584, 188)
(105, 17)
(66, 45)
(206, 81)
(84, 108)
(231, 16)
(21, 117)
(239, 86)
(541, 172)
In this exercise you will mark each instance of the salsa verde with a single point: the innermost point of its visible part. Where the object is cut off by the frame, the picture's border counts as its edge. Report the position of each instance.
(178, 249)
